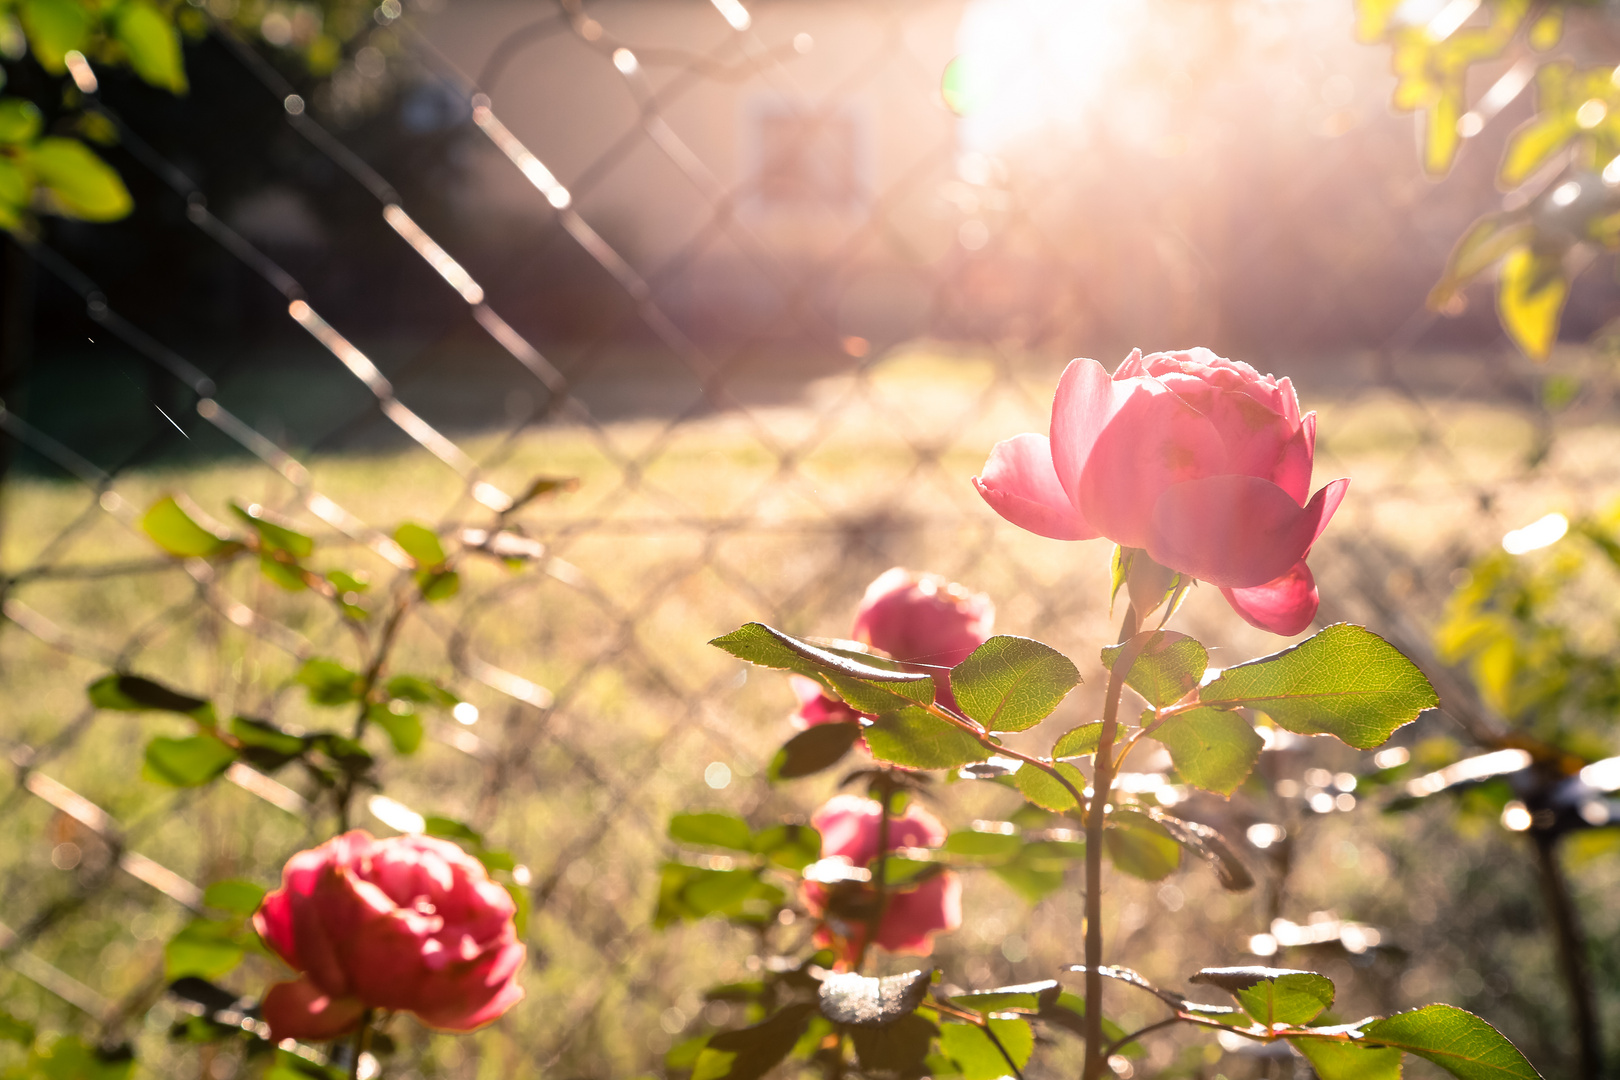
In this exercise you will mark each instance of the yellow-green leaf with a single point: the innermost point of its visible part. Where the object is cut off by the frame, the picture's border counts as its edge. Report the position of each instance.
(153, 45)
(1531, 290)
(55, 27)
(85, 186)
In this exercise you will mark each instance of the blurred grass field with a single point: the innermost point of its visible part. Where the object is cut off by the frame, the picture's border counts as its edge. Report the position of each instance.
(718, 525)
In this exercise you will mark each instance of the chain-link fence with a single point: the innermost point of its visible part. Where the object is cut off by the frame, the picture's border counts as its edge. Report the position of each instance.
(799, 306)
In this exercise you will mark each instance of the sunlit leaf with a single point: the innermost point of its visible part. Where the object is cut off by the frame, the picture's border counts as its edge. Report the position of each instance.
(978, 1057)
(84, 186)
(793, 846)
(1457, 1041)
(1344, 681)
(20, 121)
(1044, 790)
(865, 686)
(187, 762)
(711, 830)
(234, 895)
(1139, 846)
(1169, 665)
(983, 845)
(153, 44)
(1211, 748)
(329, 682)
(1349, 1061)
(1012, 683)
(857, 999)
(403, 728)
(203, 948)
(1273, 995)
(175, 529)
(1209, 845)
(55, 28)
(1080, 741)
(275, 536)
(1531, 290)
(918, 740)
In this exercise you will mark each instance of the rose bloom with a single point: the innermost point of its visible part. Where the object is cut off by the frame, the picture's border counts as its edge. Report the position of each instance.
(849, 827)
(922, 620)
(1202, 462)
(409, 924)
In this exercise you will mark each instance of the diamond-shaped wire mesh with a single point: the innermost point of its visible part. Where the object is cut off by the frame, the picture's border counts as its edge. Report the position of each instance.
(738, 461)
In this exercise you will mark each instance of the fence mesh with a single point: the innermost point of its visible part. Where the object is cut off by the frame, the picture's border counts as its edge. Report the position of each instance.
(718, 483)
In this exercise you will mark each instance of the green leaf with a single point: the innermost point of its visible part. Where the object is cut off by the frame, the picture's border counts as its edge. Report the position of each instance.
(978, 1057)
(329, 682)
(203, 948)
(67, 1057)
(187, 762)
(1012, 683)
(523, 900)
(1080, 741)
(1348, 1061)
(751, 1052)
(273, 536)
(918, 740)
(983, 845)
(421, 544)
(1273, 995)
(437, 585)
(861, 1000)
(235, 895)
(282, 574)
(1486, 242)
(404, 729)
(15, 1030)
(174, 530)
(264, 744)
(1139, 846)
(344, 751)
(132, 693)
(16, 188)
(1344, 681)
(1044, 791)
(345, 582)
(153, 45)
(690, 892)
(1029, 997)
(1530, 295)
(812, 750)
(85, 186)
(684, 1054)
(1211, 749)
(451, 829)
(711, 830)
(55, 28)
(866, 687)
(20, 121)
(898, 1049)
(1457, 1041)
(1169, 665)
(1533, 144)
(422, 691)
(793, 846)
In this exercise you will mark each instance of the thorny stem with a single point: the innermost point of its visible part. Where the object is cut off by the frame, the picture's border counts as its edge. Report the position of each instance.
(1102, 781)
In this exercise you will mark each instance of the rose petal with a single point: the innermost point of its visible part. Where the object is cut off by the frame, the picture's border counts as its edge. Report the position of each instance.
(1293, 469)
(1153, 442)
(913, 918)
(1086, 399)
(1020, 484)
(462, 1018)
(1284, 606)
(1237, 531)
(302, 1010)
(1255, 437)
(1130, 367)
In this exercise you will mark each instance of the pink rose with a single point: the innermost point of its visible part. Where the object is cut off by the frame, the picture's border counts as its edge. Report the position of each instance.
(408, 923)
(1202, 462)
(849, 827)
(923, 620)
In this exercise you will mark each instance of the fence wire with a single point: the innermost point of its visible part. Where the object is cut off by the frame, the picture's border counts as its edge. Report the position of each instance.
(600, 711)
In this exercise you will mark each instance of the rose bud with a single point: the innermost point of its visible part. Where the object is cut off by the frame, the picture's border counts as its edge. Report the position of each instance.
(408, 924)
(923, 619)
(1202, 462)
(911, 915)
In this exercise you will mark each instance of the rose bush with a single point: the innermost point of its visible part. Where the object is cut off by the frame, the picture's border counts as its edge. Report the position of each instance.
(926, 622)
(851, 831)
(407, 923)
(1203, 463)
